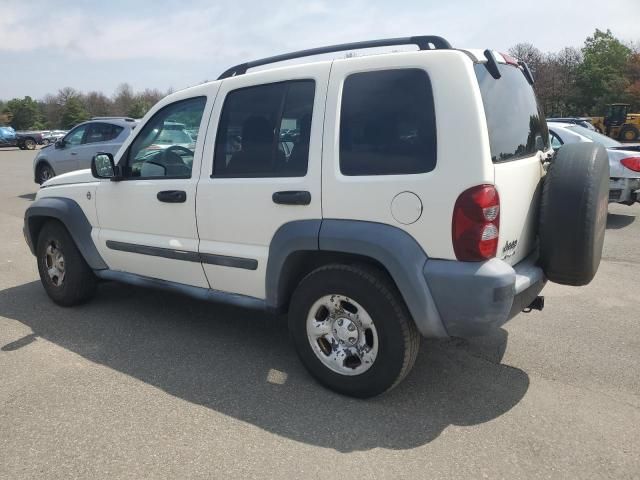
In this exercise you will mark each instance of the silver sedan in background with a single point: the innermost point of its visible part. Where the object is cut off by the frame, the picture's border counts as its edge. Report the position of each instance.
(624, 159)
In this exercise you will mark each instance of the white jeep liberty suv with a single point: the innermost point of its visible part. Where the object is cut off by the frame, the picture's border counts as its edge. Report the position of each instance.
(374, 199)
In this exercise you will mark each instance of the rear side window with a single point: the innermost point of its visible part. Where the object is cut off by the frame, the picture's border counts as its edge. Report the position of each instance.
(264, 131)
(102, 132)
(387, 123)
(517, 127)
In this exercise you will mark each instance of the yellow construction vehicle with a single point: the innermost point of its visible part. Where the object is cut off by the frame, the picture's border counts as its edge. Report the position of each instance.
(619, 123)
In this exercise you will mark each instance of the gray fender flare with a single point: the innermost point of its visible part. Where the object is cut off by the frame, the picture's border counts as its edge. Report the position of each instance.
(390, 246)
(70, 214)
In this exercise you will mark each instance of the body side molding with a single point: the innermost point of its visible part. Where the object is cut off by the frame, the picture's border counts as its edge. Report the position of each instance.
(72, 217)
(185, 255)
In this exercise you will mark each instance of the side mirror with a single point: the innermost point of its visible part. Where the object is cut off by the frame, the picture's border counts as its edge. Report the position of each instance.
(60, 143)
(103, 166)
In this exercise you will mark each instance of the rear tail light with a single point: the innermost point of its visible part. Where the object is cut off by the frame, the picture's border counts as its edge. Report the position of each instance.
(476, 224)
(632, 163)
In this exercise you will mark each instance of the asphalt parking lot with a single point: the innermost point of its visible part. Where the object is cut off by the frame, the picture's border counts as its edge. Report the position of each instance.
(145, 384)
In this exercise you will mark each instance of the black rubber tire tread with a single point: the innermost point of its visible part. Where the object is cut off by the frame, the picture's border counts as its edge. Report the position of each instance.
(629, 128)
(375, 291)
(79, 283)
(39, 169)
(573, 213)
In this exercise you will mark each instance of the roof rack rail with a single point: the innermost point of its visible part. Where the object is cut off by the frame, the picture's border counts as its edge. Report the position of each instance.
(126, 119)
(424, 42)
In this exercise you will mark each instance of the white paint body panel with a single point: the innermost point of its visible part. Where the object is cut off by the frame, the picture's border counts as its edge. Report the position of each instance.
(460, 164)
(128, 211)
(236, 216)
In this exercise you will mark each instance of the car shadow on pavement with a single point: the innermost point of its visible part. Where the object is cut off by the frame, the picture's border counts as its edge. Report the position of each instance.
(28, 196)
(241, 363)
(616, 221)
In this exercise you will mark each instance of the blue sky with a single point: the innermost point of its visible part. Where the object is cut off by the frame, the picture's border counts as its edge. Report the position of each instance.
(96, 45)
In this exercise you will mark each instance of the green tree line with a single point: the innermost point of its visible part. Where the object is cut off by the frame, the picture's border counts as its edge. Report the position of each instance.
(69, 107)
(571, 82)
(582, 82)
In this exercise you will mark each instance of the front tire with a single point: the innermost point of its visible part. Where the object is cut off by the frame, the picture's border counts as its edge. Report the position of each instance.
(65, 275)
(30, 144)
(44, 172)
(352, 330)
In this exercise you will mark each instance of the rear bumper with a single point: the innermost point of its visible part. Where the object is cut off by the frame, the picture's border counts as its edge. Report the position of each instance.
(624, 190)
(475, 298)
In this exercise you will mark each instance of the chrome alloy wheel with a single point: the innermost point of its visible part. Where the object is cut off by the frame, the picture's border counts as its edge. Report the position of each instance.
(54, 263)
(342, 335)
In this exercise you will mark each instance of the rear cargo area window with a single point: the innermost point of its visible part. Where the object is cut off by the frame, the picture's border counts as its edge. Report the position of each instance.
(517, 127)
(387, 123)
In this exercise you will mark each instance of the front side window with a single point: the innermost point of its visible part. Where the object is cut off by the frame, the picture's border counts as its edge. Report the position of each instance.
(102, 132)
(265, 130)
(75, 136)
(387, 123)
(163, 148)
(517, 127)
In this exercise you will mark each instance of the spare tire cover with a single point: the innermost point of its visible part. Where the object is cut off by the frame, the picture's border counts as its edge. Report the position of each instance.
(573, 213)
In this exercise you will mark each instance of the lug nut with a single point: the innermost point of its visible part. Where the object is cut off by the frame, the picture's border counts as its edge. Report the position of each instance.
(340, 322)
(352, 340)
(351, 327)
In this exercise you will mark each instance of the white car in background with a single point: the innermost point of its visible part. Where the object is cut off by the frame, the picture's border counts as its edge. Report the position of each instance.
(624, 159)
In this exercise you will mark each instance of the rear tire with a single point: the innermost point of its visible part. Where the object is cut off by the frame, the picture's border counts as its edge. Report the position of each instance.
(573, 213)
(65, 275)
(385, 340)
(30, 144)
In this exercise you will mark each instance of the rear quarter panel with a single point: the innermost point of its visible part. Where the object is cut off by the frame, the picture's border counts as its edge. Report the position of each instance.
(462, 150)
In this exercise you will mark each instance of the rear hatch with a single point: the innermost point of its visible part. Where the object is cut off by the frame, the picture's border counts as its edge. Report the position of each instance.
(519, 138)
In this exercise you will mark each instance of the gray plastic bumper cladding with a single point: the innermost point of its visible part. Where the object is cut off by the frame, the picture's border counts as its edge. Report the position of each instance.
(475, 298)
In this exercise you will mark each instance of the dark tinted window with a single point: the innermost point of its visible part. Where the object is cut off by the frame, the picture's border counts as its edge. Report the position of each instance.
(517, 127)
(387, 123)
(102, 132)
(264, 131)
(163, 148)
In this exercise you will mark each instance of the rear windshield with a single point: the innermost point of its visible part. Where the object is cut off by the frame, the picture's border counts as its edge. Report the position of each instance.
(517, 127)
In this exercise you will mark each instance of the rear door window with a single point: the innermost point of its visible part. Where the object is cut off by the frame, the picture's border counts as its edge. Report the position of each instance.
(517, 127)
(265, 131)
(102, 132)
(387, 123)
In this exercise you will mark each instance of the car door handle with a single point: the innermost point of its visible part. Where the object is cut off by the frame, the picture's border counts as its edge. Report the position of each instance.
(73, 153)
(292, 197)
(172, 196)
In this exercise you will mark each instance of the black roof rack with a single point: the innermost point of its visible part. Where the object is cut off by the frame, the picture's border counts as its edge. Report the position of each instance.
(424, 42)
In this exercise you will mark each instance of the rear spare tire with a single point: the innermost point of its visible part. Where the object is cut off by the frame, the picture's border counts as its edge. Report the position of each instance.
(573, 213)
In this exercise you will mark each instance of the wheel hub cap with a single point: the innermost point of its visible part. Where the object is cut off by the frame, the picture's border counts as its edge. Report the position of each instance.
(54, 263)
(342, 335)
(345, 331)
